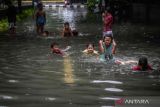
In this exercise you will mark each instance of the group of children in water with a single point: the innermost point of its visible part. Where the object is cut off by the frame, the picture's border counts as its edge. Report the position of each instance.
(106, 53)
(40, 17)
(107, 45)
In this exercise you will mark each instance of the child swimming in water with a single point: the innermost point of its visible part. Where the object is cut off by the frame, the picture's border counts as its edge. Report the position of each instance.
(67, 32)
(56, 50)
(142, 65)
(90, 50)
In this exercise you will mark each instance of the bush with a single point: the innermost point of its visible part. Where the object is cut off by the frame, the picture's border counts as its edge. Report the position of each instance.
(20, 17)
(3, 25)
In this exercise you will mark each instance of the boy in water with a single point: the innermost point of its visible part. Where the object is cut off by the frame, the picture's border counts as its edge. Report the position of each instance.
(56, 50)
(67, 32)
(107, 49)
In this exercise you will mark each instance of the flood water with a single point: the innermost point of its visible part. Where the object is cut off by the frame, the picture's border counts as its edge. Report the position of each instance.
(31, 76)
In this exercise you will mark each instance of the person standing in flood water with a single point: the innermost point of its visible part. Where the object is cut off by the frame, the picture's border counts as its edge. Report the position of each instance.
(40, 19)
(107, 19)
(11, 14)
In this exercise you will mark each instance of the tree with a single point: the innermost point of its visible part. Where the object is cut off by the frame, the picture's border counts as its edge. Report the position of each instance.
(91, 4)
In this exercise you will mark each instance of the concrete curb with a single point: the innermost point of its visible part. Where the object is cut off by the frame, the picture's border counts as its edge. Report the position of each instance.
(62, 5)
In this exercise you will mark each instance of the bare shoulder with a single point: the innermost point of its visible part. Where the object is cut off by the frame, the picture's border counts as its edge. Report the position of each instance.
(85, 51)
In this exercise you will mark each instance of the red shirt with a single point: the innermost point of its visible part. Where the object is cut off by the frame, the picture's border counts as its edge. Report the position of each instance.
(138, 68)
(57, 51)
(108, 20)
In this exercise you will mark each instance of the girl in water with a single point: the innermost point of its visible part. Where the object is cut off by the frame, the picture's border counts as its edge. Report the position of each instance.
(142, 65)
(90, 50)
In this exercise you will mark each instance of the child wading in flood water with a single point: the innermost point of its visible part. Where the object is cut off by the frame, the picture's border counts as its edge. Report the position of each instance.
(107, 49)
(56, 50)
(40, 19)
(67, 32)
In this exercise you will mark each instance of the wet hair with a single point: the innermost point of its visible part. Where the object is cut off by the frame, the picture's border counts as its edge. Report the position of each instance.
(90, 44)
(75, 33)
(53, 44)
(66, 23)
(108, 35)
(143, 62)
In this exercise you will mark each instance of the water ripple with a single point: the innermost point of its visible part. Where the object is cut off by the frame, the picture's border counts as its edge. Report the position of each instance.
(114, 89)
(50, 98)
(110, 98)
(7, 97)
(107, 81)
(13, 81)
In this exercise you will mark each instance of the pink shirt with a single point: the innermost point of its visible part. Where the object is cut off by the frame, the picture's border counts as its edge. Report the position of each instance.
(138, 68)
(108, 20)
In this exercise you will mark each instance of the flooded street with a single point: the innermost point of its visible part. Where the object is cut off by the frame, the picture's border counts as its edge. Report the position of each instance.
(31, 76)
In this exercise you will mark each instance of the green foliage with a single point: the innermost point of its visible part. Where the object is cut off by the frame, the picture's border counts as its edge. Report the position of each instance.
(3, 25)
(20, 17)
(91, 4)
(24, 14)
